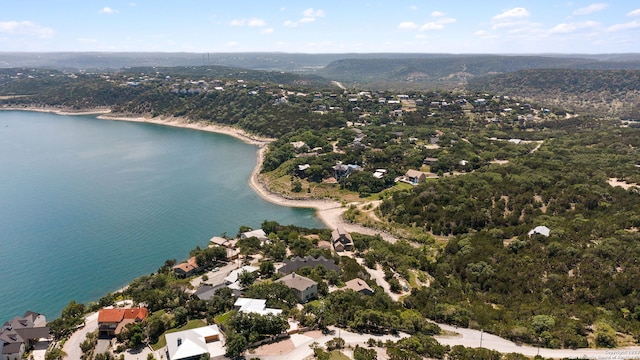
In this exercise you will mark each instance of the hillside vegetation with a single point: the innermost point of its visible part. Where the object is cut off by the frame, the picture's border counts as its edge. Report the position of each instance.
(599, 92)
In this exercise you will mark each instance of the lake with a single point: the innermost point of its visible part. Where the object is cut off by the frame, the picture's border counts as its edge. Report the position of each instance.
(87, 205)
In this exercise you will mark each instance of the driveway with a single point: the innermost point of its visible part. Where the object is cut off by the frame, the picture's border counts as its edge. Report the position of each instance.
(302, 343)
(72, 346)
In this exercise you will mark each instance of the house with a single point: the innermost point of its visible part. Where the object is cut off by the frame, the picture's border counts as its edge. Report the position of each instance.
(540, 230)
(379, 173)
(415, 177)
(260, 234)
(19, 333)
(187, 268)
(193, 343)
(429, 160)
(341, 240)
(233, 275)
(304, 288)
(359, 285)
(206, 292)
(112, 321)
(255, 306)
(341, 171)
(291, 265)
(220, 241)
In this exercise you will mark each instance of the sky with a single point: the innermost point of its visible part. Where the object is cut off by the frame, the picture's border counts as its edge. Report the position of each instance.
(329, 26)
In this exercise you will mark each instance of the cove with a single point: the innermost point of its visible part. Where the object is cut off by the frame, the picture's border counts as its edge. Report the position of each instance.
(87, 205)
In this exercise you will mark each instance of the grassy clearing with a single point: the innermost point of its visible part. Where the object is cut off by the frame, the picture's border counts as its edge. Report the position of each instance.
(337, 355)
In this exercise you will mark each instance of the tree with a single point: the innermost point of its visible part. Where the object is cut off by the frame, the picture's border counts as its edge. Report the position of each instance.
(336, 343)
(180, 316)
(246, 278)
(267, 268)
(55, 353)
(235, 345)
(605, 335)
(360, 353)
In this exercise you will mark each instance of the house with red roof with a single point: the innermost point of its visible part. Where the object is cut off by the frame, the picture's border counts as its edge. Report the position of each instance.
(112, 321)
(187, 268)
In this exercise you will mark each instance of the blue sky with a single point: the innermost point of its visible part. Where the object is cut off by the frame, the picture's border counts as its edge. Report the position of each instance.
(428, 26)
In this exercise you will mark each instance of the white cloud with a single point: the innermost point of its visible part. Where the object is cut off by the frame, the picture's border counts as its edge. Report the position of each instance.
(591, 9)
(572, 27)
(408, 25)
(232, 44)
(25, 27)
(626, 26)
(306, 20)
(256, 22)
(268, 31)
(483, 34)
(311, 13)
(635, 12)
(515, 13)
(87, 40)
(437, 14)
(509, 24)
(413, 7)
(290, 23)
(107, 10)
(437, 25)
(251, 22)
(431, 26)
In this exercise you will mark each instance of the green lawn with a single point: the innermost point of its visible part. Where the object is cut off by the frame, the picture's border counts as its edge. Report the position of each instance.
(222, 319)
(337, 355)
(192, 324)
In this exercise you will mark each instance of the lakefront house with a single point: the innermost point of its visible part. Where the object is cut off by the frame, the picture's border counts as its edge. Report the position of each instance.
(20, 333)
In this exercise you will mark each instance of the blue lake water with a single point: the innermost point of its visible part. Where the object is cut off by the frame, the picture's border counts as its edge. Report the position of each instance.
(87, 205)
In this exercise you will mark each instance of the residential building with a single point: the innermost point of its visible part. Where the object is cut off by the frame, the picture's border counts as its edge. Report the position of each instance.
(540, 230)
(192, 344)
(359, 285)
(415, 177)
(220, 241)
(17, 334)
(112, 321)
(291, 265)
(187, 268)
(260, 234)
(341, 240)
(304, 288)
(256, 306)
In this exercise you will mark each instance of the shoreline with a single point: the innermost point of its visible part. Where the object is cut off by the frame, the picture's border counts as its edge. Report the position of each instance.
(328, 211)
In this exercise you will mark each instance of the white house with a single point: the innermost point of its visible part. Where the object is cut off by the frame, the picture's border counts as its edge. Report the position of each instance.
(191, 344)
(256, 306)
(542, 230)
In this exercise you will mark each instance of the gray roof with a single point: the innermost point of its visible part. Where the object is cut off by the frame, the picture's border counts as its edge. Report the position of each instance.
(297, 282)
(291, 265)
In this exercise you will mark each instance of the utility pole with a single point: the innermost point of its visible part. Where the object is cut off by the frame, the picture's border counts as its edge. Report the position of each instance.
(481, 337)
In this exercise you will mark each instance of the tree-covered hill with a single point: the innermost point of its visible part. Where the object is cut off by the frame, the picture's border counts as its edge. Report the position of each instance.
(600, 92)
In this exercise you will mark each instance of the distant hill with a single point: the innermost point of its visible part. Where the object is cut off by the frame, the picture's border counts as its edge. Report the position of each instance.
(258, 61)
(457, 69)
(599, 92)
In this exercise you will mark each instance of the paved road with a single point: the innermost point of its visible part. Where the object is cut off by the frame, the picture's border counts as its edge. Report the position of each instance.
(72, 346)
(471, 338)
